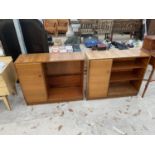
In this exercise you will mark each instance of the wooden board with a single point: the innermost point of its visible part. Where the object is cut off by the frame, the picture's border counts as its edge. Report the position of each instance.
(124, 76)
(31, 77)
(99, 75)
(65, 94)
(115, 54)
(141, 72)
(121, 89)
(50, 57)
(63, 68)
(64, 81)
(118, 66)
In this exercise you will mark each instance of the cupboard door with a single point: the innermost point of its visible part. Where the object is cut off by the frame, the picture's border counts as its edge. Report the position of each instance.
(99, 76)
(32, 80)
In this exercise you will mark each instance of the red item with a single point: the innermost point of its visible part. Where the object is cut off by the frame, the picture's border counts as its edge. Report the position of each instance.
(101, 46)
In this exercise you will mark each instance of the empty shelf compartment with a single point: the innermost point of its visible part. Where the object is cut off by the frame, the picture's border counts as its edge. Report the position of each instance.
(124, 76)
(65, 94)
(130, 63)
(122, 89)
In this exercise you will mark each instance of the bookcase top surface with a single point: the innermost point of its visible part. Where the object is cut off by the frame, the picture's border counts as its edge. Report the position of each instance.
(6, 59)
(49, 57)
(113, 54)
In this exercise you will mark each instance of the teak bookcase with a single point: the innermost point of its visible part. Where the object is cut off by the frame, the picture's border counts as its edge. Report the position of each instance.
(51, 77)
(115, 73)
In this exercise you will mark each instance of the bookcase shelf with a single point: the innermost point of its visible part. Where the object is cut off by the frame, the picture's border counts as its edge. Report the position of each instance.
(121, 89)
(128, 69)
(124, 76)
(64, 80)
(130, 63)
(59, 94)
(126, 65)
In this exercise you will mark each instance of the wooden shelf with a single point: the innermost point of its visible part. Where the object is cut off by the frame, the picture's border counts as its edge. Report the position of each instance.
(125, 65)
(123, 76)
(64, 94)
(121, 89)
(64, 81)
(67, 74)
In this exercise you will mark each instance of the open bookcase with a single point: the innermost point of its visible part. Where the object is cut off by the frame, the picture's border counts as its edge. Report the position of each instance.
(115, 73)
(64, 80)
(52, 77)
(126, 76)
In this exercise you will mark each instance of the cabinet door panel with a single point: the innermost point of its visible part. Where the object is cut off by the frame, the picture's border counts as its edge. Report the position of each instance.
(99, 76)
(32, 80)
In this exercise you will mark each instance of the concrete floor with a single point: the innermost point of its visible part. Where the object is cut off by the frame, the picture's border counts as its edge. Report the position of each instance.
(126, 115)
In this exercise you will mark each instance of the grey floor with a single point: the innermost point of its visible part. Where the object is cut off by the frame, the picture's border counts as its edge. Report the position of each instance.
(126, 115)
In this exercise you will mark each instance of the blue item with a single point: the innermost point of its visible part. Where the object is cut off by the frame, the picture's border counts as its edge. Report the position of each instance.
(91, 42)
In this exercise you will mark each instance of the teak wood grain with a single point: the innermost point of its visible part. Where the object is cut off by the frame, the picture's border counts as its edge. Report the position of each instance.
(121, 89)
(115, 54)
(99, 76)
(50, 57)
(53, 77)
(63, 68)
(126, 70)
(64, 81)
(31, 77)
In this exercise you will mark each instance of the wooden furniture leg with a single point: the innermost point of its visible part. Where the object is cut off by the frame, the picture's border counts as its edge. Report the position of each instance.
(149, 80)
(6, 102)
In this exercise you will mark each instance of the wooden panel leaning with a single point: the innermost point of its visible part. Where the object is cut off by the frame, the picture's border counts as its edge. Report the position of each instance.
(52, 77)
(115, 73)
(8, 80)
(149, 46)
